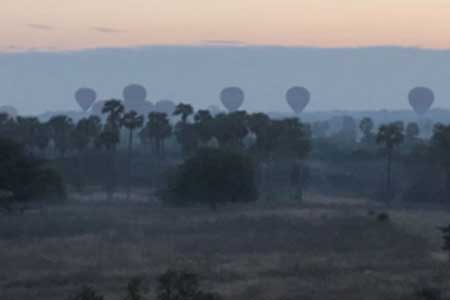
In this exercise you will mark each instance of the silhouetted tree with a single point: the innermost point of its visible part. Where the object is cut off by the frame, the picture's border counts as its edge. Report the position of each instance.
(366, 126)
(440, 147)
(25, 177)
(26, 131)
(390, 136)
(60, 132)
(110, 137)
(131, 120)
(86, 132)
(183, 110)
(204, 126)
(213, 176)
(157, 130)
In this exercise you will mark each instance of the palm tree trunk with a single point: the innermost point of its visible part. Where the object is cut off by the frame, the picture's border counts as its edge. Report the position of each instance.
(130, 149)
(389, 193)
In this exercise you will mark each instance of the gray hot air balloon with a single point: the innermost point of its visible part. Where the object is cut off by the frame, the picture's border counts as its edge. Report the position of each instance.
(134, 95)
(421, 99)
(97, 108)
(232, 98)
(9, 110)
(165, 106)
(85, 98)
(298, 98)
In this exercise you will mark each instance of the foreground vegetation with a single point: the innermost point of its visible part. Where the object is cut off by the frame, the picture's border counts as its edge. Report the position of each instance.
(326, 248)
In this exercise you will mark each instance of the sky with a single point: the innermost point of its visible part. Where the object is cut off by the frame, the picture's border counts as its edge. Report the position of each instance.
(374, 78)
(79, 24)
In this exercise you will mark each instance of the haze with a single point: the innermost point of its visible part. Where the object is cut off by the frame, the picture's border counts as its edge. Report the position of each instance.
(350, 79)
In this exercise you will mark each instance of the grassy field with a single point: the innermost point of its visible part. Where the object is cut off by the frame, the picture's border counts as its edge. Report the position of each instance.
(322, 249)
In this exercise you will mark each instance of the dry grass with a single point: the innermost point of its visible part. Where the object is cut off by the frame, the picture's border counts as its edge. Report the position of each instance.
(324, 249)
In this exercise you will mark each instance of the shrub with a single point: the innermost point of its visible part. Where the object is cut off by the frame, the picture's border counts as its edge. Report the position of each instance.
(429, 294)
(86, 293)
(383, 217)
(135, 290)
(213, 176)
(181, 285)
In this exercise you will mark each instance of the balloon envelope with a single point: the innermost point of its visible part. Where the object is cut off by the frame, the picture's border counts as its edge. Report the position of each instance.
(85, 98)
(232, 98)
(421, 99)
(165, 106)
(97, 108)
(134, 95)
(298, 98)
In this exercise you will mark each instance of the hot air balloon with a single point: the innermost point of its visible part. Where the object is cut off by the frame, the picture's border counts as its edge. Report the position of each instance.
(9, 110)
(165, 106)
(97, 108)
(232, 98)
(298, 98)
(134, 95)
(421, 99)
(85, 98)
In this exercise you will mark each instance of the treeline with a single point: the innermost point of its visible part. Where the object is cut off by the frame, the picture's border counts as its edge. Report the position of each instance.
(124, 149)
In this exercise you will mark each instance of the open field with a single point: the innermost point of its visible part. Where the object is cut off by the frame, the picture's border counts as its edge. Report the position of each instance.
(322, 249)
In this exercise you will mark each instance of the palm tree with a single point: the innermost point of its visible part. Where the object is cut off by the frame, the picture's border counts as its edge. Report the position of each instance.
(440, 146)
(390, 136)
(204, 125)
(26, 128)
(131, 120)
(60, 131)
(158, 129)
(366, 126)
(84, 134)
(114, 110)
(183, 110)
(110, 136)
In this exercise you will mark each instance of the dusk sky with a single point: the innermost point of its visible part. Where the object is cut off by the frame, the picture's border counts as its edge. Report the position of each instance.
(80, 24)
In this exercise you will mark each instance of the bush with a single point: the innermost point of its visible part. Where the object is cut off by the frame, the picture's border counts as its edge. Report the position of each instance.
(213, 176)
(383, 217)
(181, 285)
(135, 290)
(86, 293)
(429, 294)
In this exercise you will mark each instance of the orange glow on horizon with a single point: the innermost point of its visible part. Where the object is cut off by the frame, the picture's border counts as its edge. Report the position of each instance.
(70, 24)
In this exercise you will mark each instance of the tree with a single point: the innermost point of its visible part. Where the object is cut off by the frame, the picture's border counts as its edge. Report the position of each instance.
(157, 130)
(110, 137)
(113, 109)
(183, 110)
(24, 177)
(366, 126)
(60, 131)
(213, 176)
(85, 133)
(230, 129)
(26, 131)
(440, 148)
(390, 136)
(204, 126)
(131, 121)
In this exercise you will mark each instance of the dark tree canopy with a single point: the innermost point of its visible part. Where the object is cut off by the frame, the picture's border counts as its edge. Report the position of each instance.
(214, 176)
(24, 177)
